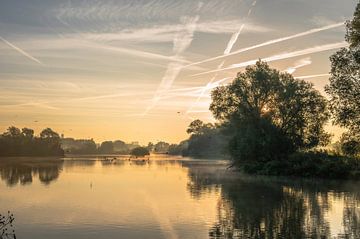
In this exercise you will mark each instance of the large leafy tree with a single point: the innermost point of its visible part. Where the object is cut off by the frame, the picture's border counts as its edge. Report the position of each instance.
(344, 87)
(268, 111)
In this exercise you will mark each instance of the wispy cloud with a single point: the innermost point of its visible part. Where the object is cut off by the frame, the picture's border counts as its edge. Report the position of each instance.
(77, 42)
(21, 51)
(44, 105)
(181, 42)
(282, 39)
(282, 56)
(167, 32)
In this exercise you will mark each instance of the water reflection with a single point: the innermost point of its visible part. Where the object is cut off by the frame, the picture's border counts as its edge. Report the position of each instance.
(263, 207)
(187, 198)
(22, 170)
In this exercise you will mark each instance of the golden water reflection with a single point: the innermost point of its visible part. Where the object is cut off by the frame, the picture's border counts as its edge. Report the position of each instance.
(170, 198)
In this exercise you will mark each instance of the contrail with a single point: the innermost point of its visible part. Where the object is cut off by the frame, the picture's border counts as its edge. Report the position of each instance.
(311, 76)
(181, 42)
(227, 51)
(233, 40)
(301, 63)
(282, 56)
(309, 32)
(24, 53)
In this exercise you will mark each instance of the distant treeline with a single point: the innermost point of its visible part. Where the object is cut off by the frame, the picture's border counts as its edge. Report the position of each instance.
(88, 146)
(16, 142)
(206, 141)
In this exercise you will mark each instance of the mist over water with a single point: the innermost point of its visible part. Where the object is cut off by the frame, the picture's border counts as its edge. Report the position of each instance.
(170, 197)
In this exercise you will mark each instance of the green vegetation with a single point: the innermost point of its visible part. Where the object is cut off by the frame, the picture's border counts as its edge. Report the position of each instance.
(16, 142)
(344, 87)
(139, 152)
(161, 147)
(309, 164)
(269, 115)
(274, 124)
(206, 141)
(179, 149)
(88, 146)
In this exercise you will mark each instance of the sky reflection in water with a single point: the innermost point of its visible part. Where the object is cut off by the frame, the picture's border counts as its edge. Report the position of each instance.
(170, 198)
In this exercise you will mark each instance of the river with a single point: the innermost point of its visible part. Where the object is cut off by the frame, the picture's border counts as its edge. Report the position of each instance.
(170, 197)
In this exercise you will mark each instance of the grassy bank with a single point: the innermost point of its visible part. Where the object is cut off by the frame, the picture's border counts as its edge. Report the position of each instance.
(309, 164)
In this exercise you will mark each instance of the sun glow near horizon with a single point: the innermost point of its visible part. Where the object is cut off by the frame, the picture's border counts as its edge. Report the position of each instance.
(136, 71)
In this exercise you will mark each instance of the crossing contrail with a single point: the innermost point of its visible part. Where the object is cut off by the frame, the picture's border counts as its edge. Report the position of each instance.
(24, 53)
(281, 56)
(309, 32)
(227, 51)
(181, 42)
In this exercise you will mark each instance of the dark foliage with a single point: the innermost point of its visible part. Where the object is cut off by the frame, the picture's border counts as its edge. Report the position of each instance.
(206, 141)
(16, 142)
(310, 164)
(350, 143)
(120, 147)
(88, 146)
(259, 142)
(106, 147)
(344, 87)
(269, 114)
(79, 146)
(179, 149)
(6, 226)
(140, 152)
(161, 147)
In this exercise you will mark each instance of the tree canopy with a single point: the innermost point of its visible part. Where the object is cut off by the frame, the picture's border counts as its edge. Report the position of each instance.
(140, 152)
(344, 87)
(16, 142)
(262, 95)
(206, 140)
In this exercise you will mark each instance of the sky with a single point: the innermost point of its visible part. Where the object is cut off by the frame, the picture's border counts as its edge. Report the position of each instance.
(143, 70)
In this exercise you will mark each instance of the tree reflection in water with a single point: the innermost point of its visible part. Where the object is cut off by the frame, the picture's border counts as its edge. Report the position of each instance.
(264, 207)
(22, 170)
(248, 206)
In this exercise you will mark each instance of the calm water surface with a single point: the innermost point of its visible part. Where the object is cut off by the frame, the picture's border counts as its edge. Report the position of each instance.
(170, 198)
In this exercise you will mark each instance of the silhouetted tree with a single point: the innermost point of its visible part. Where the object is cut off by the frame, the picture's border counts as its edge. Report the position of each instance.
(27, 133)
(179, 149)
(106, 147)
(120, 147)
(270, 109)
(14, 142)
(140, 152)
(12, 132)
(150, 146)
(344, 87)
(161, 147)
(350, 143)
(48, 134)
(206, 140)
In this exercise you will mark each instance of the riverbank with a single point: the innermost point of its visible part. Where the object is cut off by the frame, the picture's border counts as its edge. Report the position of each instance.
(308, 165)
